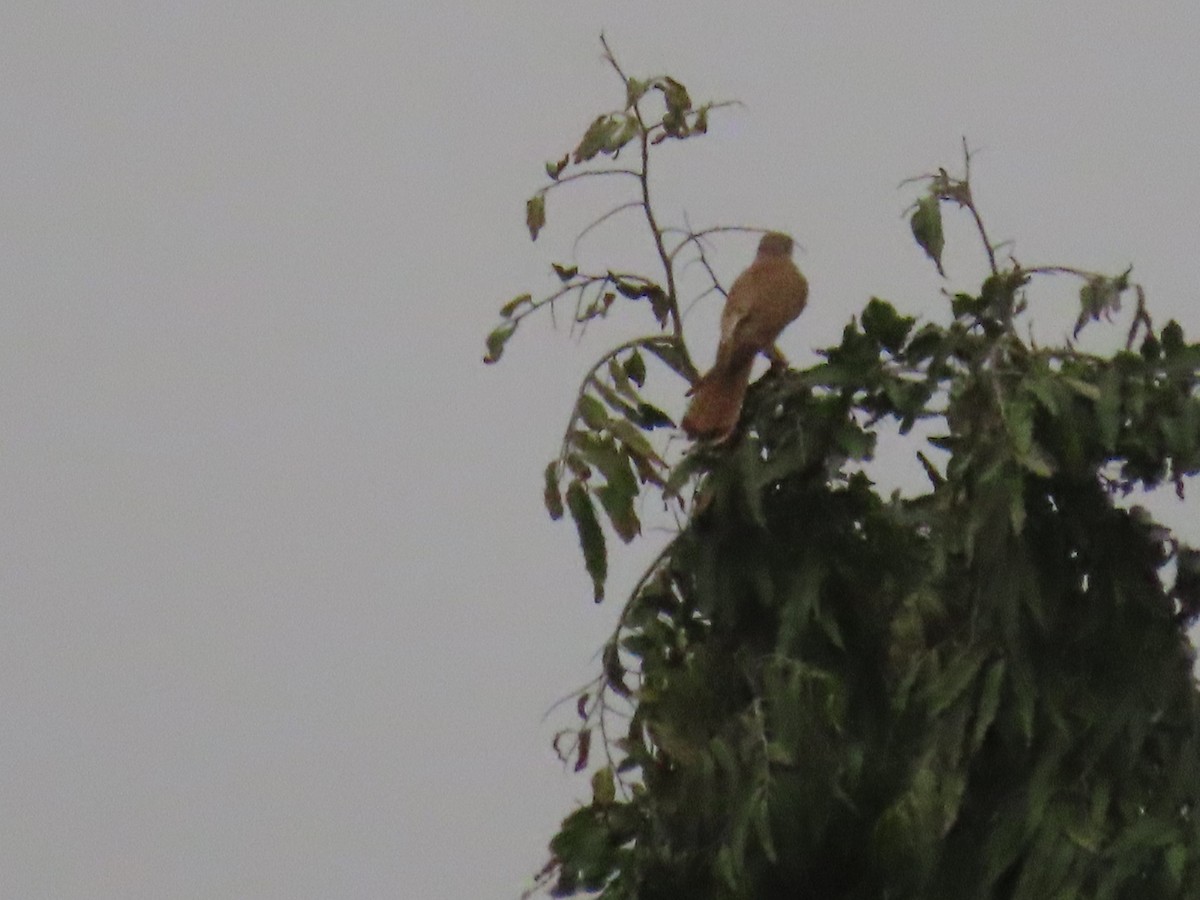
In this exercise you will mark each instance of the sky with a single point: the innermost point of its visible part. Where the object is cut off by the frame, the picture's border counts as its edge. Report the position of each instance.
(282, 614)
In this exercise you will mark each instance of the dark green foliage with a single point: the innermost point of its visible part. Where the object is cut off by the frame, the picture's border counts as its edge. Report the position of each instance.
(980, 692)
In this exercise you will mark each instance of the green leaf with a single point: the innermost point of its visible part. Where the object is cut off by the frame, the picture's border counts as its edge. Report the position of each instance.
(597, 138)
(675, 94)
(634, 91)
(989, 703)
(618, 505)
(550, 494)
(926, 226)
(614, 671)
(1173, 342)
(629, 434)
(564, 273)
(510, 308)
(535, 215)
(1100, 297)
(554, 169)
(591, 537)
(762, 828)
(881, 322)
(650, 416)
(954, 680)
(685, 470)
(1108, 408)
(592, 412)
(669, 353)
(616, 374)
(635, 368)
(496, 341)
(604, 789)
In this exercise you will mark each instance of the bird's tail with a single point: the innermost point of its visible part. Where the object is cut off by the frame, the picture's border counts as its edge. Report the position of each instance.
(717, 402)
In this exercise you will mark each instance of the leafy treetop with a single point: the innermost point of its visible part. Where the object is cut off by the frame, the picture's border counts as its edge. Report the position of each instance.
(982, 691)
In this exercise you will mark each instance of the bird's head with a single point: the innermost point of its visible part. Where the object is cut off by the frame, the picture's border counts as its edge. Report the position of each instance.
(775, 243)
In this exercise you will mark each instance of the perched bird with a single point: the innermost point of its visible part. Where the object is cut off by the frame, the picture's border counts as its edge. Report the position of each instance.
(762, 301)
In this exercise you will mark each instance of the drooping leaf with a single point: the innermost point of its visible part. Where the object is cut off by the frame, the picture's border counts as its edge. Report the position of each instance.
(497, 339)
(535, 215)
(509, 309)
(592, 412)
(669, 353)
(591, 537)
(635, 368)
(926, 223)
(1100, 297)
(597, 138)
(633, 438)
(604, 788)
(550, 493)
(618, 505)
(583, 749)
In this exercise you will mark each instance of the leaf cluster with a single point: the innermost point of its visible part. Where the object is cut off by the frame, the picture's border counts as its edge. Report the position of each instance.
(982, 691)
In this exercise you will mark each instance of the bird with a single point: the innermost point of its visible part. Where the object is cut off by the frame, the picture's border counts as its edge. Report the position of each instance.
(764, 299)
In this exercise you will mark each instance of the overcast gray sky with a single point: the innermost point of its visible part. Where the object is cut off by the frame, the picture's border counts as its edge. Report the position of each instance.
(281, 610)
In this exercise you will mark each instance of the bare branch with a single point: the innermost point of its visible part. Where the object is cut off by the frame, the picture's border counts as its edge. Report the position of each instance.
(632, 204)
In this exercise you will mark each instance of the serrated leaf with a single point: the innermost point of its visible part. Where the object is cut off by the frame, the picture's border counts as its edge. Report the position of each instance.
(496, 341)
(591, 536)
(535, 215)
(926, 224)
(550, 493)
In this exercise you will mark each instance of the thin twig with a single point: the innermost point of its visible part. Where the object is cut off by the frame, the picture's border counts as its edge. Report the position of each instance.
(632, 204)
(565, 179)
(970, 204)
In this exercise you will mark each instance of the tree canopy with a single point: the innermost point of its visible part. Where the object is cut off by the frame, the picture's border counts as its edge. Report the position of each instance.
(983, 689)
